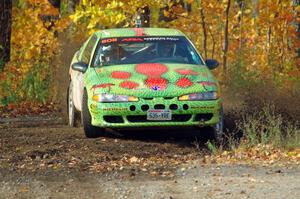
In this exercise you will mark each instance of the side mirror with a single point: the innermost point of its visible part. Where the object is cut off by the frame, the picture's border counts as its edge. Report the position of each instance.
(211, 64)
(80, 66)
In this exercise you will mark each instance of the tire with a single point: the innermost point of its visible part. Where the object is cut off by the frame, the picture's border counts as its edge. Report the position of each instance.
(218, 129)
(73, 115)
(89, 130)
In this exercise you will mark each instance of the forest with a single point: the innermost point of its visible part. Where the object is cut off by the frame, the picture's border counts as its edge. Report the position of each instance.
(257, 43)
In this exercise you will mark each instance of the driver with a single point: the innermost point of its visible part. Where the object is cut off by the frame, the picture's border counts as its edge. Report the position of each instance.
(112, 54)
(166, 49)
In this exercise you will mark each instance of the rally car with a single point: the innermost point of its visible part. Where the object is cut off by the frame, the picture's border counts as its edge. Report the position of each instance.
(142, 77)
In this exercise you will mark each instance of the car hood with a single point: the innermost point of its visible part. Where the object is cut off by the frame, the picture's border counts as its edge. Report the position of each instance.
(151, 80)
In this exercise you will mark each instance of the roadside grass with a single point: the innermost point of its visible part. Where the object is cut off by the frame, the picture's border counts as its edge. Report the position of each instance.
(261, 125)
(267, 139)
(266, 127)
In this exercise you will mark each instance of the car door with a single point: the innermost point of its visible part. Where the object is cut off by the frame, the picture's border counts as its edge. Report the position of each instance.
(84, 55)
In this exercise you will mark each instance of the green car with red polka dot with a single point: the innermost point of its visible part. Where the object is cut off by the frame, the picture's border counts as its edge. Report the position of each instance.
(142, 77)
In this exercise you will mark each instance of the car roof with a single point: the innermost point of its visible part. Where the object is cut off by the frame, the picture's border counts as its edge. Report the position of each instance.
(134, 32)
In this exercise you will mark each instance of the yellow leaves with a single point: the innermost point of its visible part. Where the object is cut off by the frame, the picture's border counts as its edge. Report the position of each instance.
(297, 9)
(115, 4)
(32, 44)
(62, 24)
(248, 11)
(85, 2)
(119, 18)
(166, 13)
(106, 13)
(260, 154)
(28, 55)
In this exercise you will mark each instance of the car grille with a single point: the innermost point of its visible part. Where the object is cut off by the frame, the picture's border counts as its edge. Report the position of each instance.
(203, 117)
(165, 98)
(143, 118)
(113, 119)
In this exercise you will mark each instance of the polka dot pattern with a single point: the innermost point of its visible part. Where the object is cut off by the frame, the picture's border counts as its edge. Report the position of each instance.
(129, 84)
(120, 75)
(183, 71)
(151, 69)
(184, 83)
(156, 83)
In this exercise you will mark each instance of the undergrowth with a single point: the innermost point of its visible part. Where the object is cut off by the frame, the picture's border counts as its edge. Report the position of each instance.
(266, 127)
(260, 112)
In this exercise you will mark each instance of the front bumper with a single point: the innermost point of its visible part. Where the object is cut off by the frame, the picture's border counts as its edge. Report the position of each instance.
(134, 114)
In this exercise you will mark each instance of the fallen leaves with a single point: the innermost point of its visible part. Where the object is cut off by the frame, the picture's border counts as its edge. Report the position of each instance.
(28, 109)
(154, 165)
(260, 154)
(133, 160)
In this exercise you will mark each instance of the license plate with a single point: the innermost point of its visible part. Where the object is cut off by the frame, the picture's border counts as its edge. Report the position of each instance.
(159, 115)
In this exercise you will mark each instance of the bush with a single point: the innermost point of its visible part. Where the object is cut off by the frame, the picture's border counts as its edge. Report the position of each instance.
(266, 127)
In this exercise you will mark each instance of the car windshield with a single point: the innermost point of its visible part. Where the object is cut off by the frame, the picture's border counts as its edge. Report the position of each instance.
(135, 50)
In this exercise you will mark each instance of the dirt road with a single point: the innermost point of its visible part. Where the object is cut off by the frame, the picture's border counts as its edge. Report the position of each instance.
(58, 162)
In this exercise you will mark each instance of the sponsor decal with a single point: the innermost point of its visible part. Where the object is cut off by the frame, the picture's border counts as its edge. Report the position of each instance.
(115, 109)
(132, 39)
(161, 39)
(109, 40)
(202, 107)
(155, 88)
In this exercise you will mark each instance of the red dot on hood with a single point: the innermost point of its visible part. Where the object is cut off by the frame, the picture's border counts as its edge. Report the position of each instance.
(184, 82)
(151, 69)
(157, 82)
(120, 75)
(183, 71)
(129, 84)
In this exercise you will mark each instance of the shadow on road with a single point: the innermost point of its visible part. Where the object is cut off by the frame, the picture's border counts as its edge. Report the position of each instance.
(182, 136)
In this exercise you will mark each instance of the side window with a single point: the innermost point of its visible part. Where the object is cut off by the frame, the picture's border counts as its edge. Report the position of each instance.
(86, 54)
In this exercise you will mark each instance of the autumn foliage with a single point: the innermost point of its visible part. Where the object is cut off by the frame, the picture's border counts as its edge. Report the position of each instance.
(28, 75)
(260, 43)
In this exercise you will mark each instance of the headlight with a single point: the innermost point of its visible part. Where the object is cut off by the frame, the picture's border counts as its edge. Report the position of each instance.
(114, 98)
(199, 96)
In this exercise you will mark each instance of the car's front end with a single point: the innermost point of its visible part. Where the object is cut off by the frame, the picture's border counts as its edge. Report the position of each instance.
(125, 97)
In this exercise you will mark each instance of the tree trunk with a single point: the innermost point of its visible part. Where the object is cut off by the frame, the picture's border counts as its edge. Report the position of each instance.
(5, 29)
(241, 17)
(213, 43)
(297, 3)
(226, 40)
(204, 32)
(145, 15)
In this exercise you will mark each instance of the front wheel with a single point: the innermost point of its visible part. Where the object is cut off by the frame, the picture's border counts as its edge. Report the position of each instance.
(89, 130)
(218, 129)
